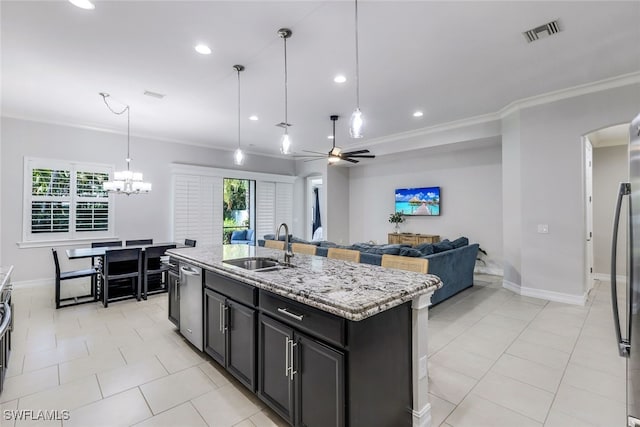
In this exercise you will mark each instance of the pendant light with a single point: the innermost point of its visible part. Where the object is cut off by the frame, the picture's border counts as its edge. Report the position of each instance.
(285, 141)
(238, 155)
(125, 182)
(357, 120)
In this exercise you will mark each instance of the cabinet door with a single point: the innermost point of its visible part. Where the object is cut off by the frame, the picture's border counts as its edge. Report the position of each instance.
(274, 386)
(174, 298)
(214, 334)
(320, 387)
(241, 339)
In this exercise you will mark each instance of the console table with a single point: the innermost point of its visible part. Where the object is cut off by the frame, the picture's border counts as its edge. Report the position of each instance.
(412, 239)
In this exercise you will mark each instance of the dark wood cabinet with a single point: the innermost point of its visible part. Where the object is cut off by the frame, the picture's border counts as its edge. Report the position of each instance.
(230, 331)
(174, 297)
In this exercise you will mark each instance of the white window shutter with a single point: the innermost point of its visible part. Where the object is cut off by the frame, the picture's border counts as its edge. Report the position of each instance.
(284, 204)
(265, 208)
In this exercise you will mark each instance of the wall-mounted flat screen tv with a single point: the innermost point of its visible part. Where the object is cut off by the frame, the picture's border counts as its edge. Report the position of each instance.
(418, 201)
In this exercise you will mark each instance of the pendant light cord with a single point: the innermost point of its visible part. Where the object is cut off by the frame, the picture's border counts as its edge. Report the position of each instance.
(286, 109)
(238, 70)
(126, 108)
(357, 61)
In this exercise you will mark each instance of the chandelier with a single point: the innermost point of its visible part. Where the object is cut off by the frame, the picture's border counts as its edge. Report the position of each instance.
(126, 181)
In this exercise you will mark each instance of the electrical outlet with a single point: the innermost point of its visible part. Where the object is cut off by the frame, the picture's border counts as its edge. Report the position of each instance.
(543, 228)
(422, 367)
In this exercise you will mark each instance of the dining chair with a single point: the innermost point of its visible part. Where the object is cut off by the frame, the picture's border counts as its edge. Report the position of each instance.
(418, 265)
(303, 248)
(274, 244)
(190, 243)
(155, 272)
(344, 254)
(75, 274)
(96, 262)
(139, 242)
(121, 275)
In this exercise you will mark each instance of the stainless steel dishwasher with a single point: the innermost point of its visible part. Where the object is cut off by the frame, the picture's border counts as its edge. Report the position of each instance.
(191, 304)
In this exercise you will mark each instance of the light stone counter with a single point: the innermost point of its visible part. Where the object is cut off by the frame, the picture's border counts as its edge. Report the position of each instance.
(5, 277)
(354, 291)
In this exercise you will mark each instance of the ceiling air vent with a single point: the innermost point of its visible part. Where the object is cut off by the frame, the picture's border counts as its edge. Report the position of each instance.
(154, 94)
(542, 31)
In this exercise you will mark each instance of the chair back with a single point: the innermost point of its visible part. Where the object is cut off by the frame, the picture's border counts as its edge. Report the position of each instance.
(418, 265)
(344, 254)
(125, 260)
(106, 244)
(56, 262)
(274, 244)
(303, 248)
(152, 255)
(190, 243)
(139, 242)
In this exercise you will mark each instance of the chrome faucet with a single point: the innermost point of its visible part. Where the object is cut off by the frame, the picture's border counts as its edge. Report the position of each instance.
(287, 252)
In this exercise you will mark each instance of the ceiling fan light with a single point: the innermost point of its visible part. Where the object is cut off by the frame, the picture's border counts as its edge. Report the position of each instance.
(285, 144)
(335, 151)
(356, 123)
(238, 157)
(333, 159)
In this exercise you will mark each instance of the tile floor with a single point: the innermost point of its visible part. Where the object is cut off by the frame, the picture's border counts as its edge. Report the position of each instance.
(496, 359)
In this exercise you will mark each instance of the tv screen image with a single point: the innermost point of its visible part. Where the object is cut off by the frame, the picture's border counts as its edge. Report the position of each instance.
(418, 201)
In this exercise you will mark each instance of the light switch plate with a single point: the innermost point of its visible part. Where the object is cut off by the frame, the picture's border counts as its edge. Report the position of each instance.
(422, 367)
(543, 228)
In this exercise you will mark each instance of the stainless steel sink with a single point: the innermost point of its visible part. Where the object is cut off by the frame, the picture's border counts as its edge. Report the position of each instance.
(257, 263)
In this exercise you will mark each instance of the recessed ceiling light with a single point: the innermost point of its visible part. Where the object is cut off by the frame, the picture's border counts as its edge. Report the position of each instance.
(418, 114)
(203, 49)
(340, 79)
(253, 118)
(83, 4)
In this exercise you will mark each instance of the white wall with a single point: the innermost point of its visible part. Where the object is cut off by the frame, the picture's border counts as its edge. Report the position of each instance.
(303, 170)
(469, 175)
(337, 193)
(136, 216)
(610, 168)
(551, 171)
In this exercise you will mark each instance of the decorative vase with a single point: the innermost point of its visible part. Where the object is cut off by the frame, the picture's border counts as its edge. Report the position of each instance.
(397, 228)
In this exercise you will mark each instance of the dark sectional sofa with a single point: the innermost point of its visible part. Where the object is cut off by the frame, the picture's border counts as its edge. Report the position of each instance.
(453, 262)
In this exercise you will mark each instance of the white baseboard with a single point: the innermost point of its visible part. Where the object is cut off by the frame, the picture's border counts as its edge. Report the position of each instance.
(544, 294)
(422, 418)
(36, 283)
(607, 277)
(495, 271)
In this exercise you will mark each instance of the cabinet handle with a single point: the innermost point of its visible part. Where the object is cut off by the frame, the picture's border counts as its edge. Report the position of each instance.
(286, 357)
(291, 357)
(225, 318)
(220, 322)
(284, 311)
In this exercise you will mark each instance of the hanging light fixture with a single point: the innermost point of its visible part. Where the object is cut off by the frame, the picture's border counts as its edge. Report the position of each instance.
(238, 155)
(125, 182)
(357, 120)
(285, 141)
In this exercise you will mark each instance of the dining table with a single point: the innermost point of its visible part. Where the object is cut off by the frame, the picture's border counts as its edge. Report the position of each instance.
(77, 253)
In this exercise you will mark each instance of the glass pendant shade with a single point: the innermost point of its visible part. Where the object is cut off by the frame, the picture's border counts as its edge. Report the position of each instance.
(285, 143)
(356, 123)
(238, 157)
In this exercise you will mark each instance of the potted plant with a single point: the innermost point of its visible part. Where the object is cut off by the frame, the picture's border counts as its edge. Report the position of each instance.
(396, 218)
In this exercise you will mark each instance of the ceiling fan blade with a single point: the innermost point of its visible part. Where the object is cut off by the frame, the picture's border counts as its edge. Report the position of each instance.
(312, 160)
(314, 152)
(360, 156)
(351, 160)
(306, 156)
(349, 153)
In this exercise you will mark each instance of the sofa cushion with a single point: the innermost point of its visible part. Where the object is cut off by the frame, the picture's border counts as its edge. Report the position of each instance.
(425, 248)
(445, 245)
(250, 234)
(411, 252)
(273, 237)
(239, 235)
(460, 242)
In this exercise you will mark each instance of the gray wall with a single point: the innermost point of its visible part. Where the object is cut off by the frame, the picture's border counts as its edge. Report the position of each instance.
(470, 177)
(303, 170)
(337, 193)
(142, 216)
(552, 185)
(610, 168)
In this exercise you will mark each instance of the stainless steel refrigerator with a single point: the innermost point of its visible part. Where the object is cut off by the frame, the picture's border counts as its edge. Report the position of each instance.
(629, 347)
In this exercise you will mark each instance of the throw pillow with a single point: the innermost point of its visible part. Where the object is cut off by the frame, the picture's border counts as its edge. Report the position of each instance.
(460, 242)
(250, 234)
(425, 248)
(411, 252)
(269, 237)
(239, 235)
(443, 246)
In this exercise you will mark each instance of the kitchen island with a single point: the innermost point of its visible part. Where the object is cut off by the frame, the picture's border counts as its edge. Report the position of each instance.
(326, 342)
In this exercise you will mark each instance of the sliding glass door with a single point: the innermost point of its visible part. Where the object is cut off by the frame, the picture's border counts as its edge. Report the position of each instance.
(238, 207)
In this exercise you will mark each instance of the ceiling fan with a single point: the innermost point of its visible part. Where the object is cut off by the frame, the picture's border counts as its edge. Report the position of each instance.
(336, 154)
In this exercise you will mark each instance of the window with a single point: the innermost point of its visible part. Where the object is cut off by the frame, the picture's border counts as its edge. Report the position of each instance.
(65, 201)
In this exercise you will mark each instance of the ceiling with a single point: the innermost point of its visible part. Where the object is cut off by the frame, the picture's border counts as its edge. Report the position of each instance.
(451, 60)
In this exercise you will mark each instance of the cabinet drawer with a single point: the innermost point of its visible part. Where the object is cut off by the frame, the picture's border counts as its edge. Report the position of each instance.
(407, 240)
(311, 320)
(241, 292)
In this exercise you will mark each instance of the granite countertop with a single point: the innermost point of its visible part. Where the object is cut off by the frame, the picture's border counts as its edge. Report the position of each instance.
(5, 275)
(354, 291)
